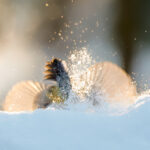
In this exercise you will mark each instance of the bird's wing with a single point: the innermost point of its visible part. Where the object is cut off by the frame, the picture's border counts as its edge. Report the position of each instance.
(110, 81)
(25, 96)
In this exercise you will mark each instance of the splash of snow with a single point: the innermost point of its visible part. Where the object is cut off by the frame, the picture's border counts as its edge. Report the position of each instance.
(78, 62)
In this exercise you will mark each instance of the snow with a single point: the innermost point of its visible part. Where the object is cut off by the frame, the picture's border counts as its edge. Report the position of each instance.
(73, 130)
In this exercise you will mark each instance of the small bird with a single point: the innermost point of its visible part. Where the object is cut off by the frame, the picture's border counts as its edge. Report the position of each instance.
(108, 80)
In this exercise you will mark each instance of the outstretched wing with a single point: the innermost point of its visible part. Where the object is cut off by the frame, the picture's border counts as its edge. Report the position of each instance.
(110, 81)
(26, 96)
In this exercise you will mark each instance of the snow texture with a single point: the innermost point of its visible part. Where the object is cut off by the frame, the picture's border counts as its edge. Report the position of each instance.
(72, 130)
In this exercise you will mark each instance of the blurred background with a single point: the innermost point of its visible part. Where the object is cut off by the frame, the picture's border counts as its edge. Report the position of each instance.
(33, 31)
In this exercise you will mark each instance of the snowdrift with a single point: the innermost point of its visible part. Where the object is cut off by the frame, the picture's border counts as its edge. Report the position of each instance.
(72, 130)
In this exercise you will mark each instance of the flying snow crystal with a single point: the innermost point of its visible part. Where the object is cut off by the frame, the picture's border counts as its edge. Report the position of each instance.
(98, 85)
(46, 4)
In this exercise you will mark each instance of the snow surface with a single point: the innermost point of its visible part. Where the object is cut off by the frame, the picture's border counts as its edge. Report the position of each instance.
(72, 130)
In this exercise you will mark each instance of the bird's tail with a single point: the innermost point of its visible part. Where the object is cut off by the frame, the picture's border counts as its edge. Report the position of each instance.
(56, 71)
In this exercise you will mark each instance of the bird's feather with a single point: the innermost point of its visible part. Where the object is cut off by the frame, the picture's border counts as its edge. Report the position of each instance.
(110, 81)
(26, 96)
(56, 70)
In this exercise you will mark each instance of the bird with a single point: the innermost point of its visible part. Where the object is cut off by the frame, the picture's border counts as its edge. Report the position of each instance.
(106, 79)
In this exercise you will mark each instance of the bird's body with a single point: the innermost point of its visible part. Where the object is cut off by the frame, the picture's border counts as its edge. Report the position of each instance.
(111, 82)
(56, 71)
